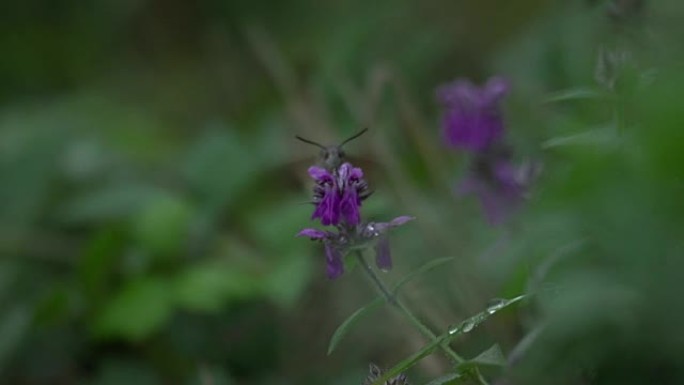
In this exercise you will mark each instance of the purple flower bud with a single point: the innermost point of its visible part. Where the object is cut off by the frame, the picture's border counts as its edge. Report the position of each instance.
(333, 258)
(472, 117)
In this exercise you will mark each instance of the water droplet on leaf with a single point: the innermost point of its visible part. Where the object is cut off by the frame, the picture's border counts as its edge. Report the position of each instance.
(467, 325)
(495, 305)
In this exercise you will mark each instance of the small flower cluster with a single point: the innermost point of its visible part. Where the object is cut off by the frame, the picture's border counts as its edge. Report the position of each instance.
(376, 372)
(338, 194)
(473, 122)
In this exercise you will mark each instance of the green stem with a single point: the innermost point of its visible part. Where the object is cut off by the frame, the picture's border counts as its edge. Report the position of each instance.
(392, 300)
(480, 378)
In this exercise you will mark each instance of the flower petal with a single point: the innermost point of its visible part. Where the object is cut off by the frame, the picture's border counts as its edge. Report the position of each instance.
(320, 174)
(496, 88)
(383, 257)
(398, 221)
(328, 209)
(349, 207)
(314, 234)
(333, 258)
(472, 118)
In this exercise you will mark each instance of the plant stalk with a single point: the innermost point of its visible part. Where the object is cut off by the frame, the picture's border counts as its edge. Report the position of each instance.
(394, 301)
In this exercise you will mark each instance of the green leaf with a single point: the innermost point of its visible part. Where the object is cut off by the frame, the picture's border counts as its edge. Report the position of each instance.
(289, 278)
(573, 94)
(137, 311)
(490, 357)
(208, 160)
(598, 136)
(422, 270)
(464, 327)
(108, 203)
(342, 330)
(97, 263)
(162, 226)
(209, 286)
(449, 379)
(412, 360)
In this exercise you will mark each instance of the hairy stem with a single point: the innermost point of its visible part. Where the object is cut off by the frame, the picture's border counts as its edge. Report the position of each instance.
(392, 300)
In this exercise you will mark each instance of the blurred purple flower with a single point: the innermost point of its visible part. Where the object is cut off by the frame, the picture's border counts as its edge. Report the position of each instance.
(472, 117)
(338, 194)
(499, 185)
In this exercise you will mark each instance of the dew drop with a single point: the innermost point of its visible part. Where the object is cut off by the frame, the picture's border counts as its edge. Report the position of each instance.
(495, 305)
(453, 329)
(467, 325)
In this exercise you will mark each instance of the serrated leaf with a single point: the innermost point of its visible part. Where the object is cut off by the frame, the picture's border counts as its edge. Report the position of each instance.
(342, 330)
(572, 94)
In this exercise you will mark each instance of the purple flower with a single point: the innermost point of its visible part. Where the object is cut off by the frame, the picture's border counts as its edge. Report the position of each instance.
(333, 259)
(499, 185)
(338, 194)
(337, 243)
(472, 117)
(314, 234)
(333, 254)
(380, 232)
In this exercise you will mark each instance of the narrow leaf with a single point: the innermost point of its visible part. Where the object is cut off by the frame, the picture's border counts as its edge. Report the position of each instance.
(572, 94)
(342, 330)
(490, 357)
(599, 136)
(465, 327)
(411, 360)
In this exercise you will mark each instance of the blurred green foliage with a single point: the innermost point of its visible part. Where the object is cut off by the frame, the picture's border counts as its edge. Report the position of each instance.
(152, 188)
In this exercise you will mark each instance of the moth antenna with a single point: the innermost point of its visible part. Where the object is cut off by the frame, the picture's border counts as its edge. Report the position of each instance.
(354, 136)
(310, 142)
